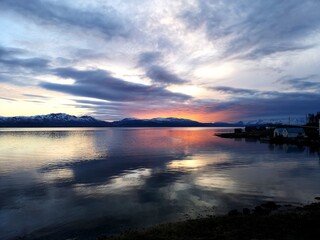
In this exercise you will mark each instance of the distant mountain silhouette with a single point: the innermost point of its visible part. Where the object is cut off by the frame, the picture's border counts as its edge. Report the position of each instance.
(157, 122)
(52, 120)
(66, 120)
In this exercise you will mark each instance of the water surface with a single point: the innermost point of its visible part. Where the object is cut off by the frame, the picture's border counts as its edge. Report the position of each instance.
(85, 182)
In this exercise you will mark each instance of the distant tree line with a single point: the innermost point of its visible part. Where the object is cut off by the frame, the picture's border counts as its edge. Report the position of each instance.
(313, 118)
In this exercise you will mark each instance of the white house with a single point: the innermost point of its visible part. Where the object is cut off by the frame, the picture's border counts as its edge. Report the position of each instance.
(289, 132)
(278, 132)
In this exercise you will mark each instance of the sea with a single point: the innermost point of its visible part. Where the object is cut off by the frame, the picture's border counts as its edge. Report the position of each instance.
(81, 183)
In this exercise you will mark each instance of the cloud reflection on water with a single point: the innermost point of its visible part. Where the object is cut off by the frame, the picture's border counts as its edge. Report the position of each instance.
(117, 178)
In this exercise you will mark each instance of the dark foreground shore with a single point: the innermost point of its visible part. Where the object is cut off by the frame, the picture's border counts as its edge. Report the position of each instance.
(267, 221)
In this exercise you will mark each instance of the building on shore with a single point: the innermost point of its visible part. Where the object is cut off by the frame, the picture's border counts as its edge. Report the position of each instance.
(289, 132)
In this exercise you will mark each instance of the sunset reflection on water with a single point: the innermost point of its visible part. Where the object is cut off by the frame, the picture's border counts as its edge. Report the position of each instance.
(53, 182)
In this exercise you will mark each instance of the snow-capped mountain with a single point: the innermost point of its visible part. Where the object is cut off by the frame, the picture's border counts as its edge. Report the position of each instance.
(228, 124)
(283, 121)
(50, 120)
(157, 122)
(66, 120)
(171, 119)
(60, 117)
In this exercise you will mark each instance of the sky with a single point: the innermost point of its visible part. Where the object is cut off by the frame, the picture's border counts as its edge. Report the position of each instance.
(206, 60)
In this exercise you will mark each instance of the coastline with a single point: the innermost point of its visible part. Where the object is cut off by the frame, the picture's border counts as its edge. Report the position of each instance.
(266, 221)
(266, 137)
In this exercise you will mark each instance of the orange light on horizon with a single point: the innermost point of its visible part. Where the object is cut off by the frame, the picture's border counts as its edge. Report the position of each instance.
(196, 115)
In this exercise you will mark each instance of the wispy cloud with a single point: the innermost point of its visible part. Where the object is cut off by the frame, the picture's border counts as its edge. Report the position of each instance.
(235, 91)
(255, 29)
(49, 13)
(34, 96)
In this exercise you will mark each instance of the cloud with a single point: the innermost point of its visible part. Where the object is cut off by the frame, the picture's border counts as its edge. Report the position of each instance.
(15, 58)
(285, 104)
(108, 109)
(242, 92)
(34, 96)
(164, 43)
(162, 76)
(109, 24)
(19, 68)
(231, 90)
(252, 30)
(158, 74)
(266, 104)
(148, 58)
(8, 52)
(29, 63)
(302, 83)
(91, 102)
(101, 85)
(7, 99)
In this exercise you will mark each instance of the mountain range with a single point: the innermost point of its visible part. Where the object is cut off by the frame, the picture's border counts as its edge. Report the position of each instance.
(51, 120)
(66, 120)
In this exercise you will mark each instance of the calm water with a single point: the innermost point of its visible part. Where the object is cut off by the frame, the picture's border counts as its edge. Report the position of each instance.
(63, 183)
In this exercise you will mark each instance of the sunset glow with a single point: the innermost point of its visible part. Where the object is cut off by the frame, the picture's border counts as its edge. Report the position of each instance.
(203, 60)
(214, 72)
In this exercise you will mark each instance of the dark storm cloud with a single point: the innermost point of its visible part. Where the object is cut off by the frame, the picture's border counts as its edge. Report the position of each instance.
(162, 76)
(110, 24)
(257, 28)
(100, 84)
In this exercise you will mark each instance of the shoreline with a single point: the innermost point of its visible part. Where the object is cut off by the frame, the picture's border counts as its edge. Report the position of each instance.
(266, 221)
(263, 137)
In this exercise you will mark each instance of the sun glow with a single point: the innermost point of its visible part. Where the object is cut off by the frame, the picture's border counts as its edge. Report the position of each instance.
(191, 90)
(214, 71)
(197, 162)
